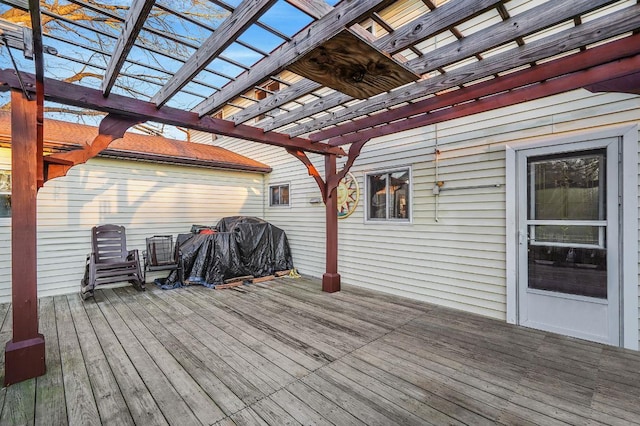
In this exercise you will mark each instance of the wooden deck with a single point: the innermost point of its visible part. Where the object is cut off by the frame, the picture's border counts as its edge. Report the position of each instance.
(282, 352)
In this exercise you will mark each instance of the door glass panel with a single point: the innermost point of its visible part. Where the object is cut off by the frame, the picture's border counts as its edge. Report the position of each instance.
(378, 192)
(399, 195)
(569, 270)
(568, 257)
(568, 188)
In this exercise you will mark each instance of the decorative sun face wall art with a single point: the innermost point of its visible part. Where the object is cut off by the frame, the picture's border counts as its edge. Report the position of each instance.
(348, 196)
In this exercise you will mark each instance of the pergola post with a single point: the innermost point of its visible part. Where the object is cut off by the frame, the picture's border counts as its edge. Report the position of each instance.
(329, 191)
(24, 353)
(331, 278)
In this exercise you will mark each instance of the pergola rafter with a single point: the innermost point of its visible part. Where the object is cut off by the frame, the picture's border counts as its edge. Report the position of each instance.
(247, 12)
(137, 16)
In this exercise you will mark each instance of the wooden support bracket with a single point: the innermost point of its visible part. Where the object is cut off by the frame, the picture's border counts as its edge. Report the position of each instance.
(328, 189)
(112, 127)
(313, 172)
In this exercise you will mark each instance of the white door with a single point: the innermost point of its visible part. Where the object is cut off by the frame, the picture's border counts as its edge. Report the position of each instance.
(568, 250)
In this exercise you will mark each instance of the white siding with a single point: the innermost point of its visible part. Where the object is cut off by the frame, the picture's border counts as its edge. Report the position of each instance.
(458, 260)
(197, 136)
(149, 199)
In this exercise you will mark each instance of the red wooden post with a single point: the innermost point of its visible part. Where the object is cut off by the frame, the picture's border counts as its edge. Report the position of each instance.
(24, 353)
(331, 278)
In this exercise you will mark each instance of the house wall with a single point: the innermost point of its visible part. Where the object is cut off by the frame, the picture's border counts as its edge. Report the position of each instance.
(148, 198)
(454, 252)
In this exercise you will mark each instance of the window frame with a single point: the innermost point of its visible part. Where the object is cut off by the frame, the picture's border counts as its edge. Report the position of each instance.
(6, 220)
(387, 219)
(280, 185)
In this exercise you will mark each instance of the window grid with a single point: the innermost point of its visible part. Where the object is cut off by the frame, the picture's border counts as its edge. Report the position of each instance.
(279, 195)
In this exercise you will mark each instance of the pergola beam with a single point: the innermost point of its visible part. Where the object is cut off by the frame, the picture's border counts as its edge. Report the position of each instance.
(132, 25)
(84, 97)
(345, 15)
(242, 17)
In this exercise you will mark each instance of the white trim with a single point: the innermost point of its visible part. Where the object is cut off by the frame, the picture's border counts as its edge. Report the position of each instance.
(558, 295)
(511, 236)
(629, 273)
(629, 222)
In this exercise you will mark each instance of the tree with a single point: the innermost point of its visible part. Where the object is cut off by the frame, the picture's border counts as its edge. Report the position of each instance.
(85, 32)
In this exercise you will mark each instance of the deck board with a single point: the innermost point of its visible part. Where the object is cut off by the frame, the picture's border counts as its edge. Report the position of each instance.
(275, 363)
(141, 404)
(106, 390)
(284, 353)
(81, 404)
(194, 396)
(257, 369)
(50, 400)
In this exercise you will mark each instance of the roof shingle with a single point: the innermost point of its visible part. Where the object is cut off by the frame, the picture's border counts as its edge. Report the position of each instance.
(63, 136)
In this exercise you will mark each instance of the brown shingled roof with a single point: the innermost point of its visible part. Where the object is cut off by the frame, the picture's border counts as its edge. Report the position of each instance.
(63, 136)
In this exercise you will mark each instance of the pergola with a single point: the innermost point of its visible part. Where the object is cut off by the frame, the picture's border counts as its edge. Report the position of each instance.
(347, 73)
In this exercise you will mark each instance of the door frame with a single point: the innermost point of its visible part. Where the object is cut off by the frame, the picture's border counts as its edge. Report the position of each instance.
(628, 231)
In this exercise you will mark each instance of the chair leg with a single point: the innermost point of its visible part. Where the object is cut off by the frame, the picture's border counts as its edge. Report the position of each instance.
(86, 290)
(138, 284)
(85, 294)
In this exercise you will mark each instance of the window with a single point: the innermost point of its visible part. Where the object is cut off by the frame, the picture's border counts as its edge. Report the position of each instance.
(389, 195)
(5, 193)
(279, 195)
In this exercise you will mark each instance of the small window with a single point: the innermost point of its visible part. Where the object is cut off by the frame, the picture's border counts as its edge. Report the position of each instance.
(5, 193)
(389, 195)
(279, 195)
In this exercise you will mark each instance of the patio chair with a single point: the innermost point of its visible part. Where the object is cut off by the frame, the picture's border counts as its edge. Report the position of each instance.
(162, 255)
(109, 261)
